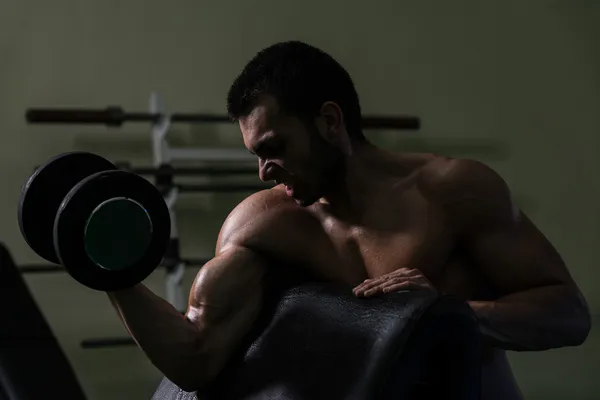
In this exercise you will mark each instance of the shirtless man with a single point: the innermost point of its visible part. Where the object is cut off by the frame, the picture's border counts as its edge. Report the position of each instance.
(353, 213)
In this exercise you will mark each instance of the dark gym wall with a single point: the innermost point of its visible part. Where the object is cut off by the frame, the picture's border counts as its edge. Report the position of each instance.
(515, 84)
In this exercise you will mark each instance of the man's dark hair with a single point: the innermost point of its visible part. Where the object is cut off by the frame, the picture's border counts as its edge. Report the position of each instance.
(301, 78)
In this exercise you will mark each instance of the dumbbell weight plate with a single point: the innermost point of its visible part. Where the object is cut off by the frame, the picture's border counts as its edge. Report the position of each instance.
(112, 230)
(43, 193)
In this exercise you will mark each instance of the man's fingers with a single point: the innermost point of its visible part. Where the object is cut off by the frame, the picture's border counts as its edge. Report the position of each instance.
(397, 286)
(407, 285)
(380, 285)
(369, 284)
(373, 286)
(373, 291)
(414, 281)
(393, 286)
(360, 291)
(399, 273)
(368, 288)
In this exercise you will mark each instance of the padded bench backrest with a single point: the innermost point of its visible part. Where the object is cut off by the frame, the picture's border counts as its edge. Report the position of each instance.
(32, 364)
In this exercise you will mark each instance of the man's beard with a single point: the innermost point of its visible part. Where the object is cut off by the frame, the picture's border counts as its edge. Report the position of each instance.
(327, 169)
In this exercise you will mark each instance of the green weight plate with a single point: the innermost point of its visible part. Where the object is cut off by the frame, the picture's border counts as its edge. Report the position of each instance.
(112, 244)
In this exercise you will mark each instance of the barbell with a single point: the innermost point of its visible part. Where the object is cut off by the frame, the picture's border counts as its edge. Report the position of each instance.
(108, 228)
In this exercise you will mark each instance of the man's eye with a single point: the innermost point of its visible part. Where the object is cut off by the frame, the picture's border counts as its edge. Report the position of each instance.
(269, 150)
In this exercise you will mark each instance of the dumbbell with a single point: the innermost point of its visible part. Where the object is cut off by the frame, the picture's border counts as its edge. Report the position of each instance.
(108, 228)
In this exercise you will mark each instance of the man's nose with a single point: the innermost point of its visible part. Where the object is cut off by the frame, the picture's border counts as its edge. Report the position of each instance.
(265, 170)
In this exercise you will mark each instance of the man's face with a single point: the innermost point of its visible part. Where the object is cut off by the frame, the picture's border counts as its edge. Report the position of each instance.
(291, 152)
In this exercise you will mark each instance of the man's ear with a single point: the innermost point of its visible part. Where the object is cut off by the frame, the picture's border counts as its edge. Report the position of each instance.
(330, 123)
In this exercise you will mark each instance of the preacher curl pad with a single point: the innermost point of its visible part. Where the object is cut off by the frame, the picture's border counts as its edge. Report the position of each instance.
(321, 342)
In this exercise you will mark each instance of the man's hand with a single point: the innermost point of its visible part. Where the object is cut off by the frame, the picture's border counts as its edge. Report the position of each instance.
(400, 279)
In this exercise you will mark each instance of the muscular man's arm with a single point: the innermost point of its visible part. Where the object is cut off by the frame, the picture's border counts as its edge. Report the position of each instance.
(539, 305)
(192, 349)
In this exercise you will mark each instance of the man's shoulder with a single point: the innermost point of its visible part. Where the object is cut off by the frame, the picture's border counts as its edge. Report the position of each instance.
(261, 202)
(447, 176)
(262, 216)
(464, 186)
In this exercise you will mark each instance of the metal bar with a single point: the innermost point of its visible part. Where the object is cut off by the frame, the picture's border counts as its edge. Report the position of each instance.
(174, 293)
(140, 117)
(160, 129)
(211, 154)
(113, 116)
(106, 342)
(220, 188)
(200, 118)
(52, 268)
(166, 170)
(40, 268)
(100, 343)
(116, 116)
(382, 122)
(194, 262)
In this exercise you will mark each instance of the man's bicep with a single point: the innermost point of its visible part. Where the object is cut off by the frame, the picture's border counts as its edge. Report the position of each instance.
(227, 279)
(225, 300)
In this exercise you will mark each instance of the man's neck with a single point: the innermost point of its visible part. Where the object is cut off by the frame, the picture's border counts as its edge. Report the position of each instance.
(348, 196)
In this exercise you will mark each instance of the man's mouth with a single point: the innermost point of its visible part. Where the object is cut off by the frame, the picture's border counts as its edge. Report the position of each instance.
(289, 191)
(289, 186)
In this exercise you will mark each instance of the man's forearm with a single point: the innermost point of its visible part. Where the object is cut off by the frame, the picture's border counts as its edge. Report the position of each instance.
(536, 319)
(169, 339)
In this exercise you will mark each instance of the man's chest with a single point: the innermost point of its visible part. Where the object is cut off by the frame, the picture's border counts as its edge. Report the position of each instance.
(412, 233)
